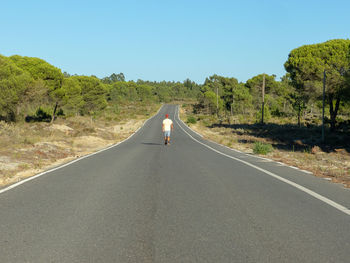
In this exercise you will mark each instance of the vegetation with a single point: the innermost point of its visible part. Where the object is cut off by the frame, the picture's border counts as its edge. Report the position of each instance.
(307, 66)
(191, 119)
(28, 84)
(298, 93)
(262, 148)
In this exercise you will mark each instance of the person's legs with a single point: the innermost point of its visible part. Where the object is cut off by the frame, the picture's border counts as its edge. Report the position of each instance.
(167, 137)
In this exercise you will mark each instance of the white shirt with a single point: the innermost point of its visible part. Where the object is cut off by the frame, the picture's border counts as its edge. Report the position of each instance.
(167, 124)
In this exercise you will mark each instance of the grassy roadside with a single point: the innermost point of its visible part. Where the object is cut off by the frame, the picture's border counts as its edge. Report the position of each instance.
(281, 142)
(27, 149)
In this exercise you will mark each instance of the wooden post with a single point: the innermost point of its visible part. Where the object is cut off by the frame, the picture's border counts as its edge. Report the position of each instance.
(263, 100)
(217, 101)
(232, 103)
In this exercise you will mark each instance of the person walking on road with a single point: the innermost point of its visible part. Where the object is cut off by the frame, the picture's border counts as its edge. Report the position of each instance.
(167, 127)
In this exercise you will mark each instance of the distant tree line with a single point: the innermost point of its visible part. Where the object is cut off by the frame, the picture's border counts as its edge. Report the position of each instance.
(31, 86)
(297, 93)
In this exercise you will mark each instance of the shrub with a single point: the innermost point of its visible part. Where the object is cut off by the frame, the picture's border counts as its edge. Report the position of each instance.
(262, 148)
(191, 119)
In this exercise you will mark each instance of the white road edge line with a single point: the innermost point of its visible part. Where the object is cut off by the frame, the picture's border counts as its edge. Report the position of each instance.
(302, 188)
(75, 160)
(178, 116)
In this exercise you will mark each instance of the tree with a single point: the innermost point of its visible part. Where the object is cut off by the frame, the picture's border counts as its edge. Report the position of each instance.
(73, 100)
(225, 88)
(144, 92)
(93, 93)
(179, 91)
(242, 99)
(207, 101)
(307, 64)
(284, 93)
(189, 84)
(14, 84)
(255, 87)
(41, 70)
(163, 93)
(114, 78)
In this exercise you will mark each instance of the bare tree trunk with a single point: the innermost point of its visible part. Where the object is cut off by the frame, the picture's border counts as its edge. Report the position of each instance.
(333, 111)
(54, 112)
(299, 113)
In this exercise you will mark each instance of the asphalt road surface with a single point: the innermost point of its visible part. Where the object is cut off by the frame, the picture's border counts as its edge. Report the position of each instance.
(192, 201)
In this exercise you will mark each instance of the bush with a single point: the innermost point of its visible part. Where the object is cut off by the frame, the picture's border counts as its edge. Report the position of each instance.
(191, 119)
(41, 115)
(262, 148)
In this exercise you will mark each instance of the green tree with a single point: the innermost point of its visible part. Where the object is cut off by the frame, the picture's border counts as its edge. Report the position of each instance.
(14, 84)
(73, 100)
(144, 92)
(114, 78)
(285, 92)
(189, 84)
(207, 101)
(255, 87)
(163, 93)
(41, 70)
(224, 87)
(306, 65)
(242, 99)
(179, 91)
(93, 93)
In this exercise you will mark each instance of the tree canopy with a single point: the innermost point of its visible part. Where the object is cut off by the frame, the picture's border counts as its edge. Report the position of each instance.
(307, 65)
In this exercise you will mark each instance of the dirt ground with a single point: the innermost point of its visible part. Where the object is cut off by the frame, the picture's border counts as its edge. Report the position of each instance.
(27, 149)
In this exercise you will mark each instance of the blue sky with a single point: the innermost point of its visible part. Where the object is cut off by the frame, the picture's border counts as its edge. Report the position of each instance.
(169, 40)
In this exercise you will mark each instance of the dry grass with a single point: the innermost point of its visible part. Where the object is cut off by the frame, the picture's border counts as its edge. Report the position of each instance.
(300, 147)
(29, 148)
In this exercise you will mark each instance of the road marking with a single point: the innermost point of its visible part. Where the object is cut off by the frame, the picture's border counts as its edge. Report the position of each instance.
(341, 208)
(73, 161)
(178, 116)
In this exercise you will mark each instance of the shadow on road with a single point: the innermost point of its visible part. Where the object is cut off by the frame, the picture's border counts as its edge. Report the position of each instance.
(151, 143)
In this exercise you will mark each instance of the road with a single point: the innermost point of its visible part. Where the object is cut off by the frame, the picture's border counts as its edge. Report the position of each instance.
(192, 201)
